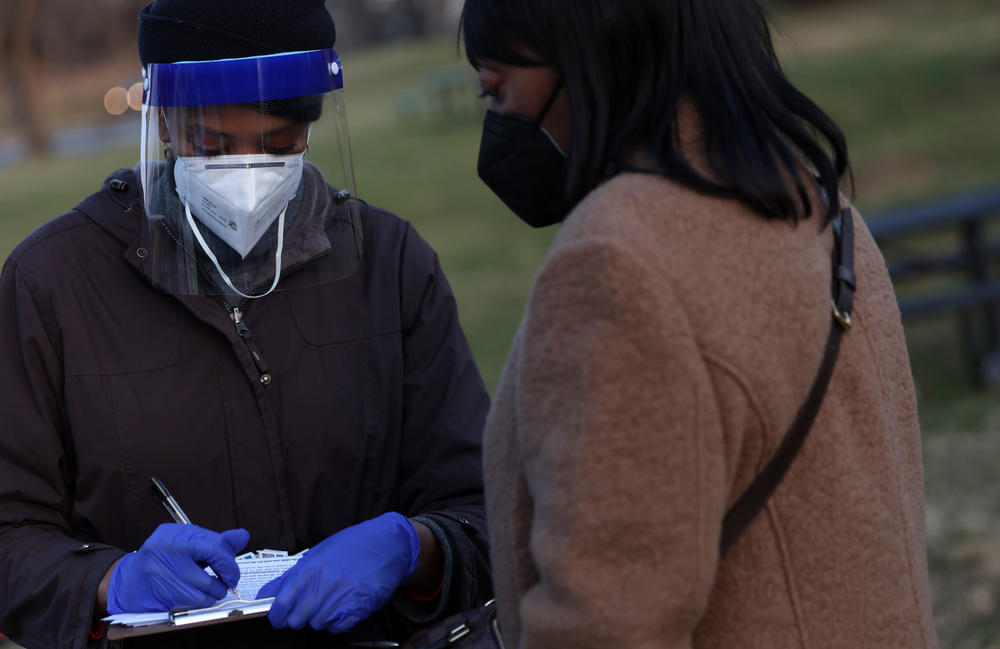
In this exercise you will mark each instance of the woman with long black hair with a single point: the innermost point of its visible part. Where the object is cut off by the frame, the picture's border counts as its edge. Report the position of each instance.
(706, 434)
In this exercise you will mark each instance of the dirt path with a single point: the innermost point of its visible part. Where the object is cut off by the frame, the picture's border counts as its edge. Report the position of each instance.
(963, 536)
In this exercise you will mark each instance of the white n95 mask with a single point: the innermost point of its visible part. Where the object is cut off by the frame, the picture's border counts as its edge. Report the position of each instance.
(238, 197)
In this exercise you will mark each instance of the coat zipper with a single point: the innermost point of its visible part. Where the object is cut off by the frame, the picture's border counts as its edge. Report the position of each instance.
(236, 314)
(263, 369)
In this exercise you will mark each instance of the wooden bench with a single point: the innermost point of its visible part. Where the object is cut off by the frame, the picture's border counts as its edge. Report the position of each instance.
(940, 256)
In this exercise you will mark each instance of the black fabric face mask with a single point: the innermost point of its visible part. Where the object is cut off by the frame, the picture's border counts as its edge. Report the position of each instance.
(523, 166)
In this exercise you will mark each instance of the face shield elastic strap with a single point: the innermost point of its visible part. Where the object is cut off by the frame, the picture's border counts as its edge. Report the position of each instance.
(215, 261)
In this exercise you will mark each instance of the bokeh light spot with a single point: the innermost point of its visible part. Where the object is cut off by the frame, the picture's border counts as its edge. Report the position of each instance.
(135, 96)
(116, 100)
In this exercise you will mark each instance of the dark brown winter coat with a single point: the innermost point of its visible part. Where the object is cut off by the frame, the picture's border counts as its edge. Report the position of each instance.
(374, 404)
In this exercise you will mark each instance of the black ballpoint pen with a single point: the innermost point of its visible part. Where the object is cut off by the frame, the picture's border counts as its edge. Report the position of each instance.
(176, 513)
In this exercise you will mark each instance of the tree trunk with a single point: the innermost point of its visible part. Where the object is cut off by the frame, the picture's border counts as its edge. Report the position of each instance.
(23, 76)
(437, 18)
(358, 25)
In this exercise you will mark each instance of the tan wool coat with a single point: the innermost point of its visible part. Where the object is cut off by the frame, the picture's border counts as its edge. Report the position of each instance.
(668, 341)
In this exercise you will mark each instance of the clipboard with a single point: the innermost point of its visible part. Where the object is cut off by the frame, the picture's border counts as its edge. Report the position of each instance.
(228, 611)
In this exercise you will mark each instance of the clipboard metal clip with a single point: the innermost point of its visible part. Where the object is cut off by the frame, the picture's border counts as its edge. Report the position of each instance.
(223, 610)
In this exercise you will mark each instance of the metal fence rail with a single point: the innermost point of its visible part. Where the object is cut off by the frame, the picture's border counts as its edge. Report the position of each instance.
(975, 296)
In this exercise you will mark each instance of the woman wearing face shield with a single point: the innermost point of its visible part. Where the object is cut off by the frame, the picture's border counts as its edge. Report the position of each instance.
(699, 440)
(233, 321)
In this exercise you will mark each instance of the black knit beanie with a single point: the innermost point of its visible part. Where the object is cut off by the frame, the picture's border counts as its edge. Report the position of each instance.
(205, 30)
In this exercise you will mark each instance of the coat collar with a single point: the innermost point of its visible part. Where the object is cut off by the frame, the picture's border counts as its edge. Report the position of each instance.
(118, 208)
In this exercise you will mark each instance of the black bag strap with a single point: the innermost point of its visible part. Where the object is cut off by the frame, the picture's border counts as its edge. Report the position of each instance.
(753, 499)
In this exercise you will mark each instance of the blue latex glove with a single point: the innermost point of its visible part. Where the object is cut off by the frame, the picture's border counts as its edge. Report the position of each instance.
(165, 572)
(347, 577)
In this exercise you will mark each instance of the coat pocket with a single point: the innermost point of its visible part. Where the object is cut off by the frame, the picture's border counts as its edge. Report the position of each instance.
(342, 312)
(137, 335)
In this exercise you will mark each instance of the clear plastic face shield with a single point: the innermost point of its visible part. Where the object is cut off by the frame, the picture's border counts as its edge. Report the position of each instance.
(235, 200)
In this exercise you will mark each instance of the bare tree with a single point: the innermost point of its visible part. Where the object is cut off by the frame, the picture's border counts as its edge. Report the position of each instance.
(358, 23)
(439, 16)
(361, 23)
(70, 38)
(19, 66)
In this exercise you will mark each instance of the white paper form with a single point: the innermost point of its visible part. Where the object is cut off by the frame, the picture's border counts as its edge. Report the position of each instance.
(256, 572)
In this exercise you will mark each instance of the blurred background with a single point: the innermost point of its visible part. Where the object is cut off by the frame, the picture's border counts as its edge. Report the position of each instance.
(915, 84)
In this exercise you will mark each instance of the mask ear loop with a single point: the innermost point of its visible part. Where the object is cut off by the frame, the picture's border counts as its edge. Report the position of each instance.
(168, 151)
(545, 111)
(225, 278)
(548, 104)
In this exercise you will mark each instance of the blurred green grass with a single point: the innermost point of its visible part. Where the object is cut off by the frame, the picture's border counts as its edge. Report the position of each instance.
(915, 85)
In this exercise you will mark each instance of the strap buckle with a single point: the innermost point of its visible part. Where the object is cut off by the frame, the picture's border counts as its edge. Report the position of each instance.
(458, 633)
(843, 318)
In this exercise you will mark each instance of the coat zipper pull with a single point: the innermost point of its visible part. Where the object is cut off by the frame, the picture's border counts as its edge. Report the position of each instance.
(236, 315)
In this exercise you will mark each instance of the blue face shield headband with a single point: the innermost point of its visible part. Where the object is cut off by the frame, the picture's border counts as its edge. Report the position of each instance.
(240, 81)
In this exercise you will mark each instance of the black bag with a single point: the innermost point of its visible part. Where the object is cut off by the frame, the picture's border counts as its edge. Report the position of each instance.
(478, 628)
(475, 629)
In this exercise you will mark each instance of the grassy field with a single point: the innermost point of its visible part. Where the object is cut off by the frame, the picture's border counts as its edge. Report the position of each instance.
(916, 86)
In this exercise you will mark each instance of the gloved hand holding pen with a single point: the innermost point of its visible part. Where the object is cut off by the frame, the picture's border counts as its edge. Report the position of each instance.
(167, 570)
(347, 577)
